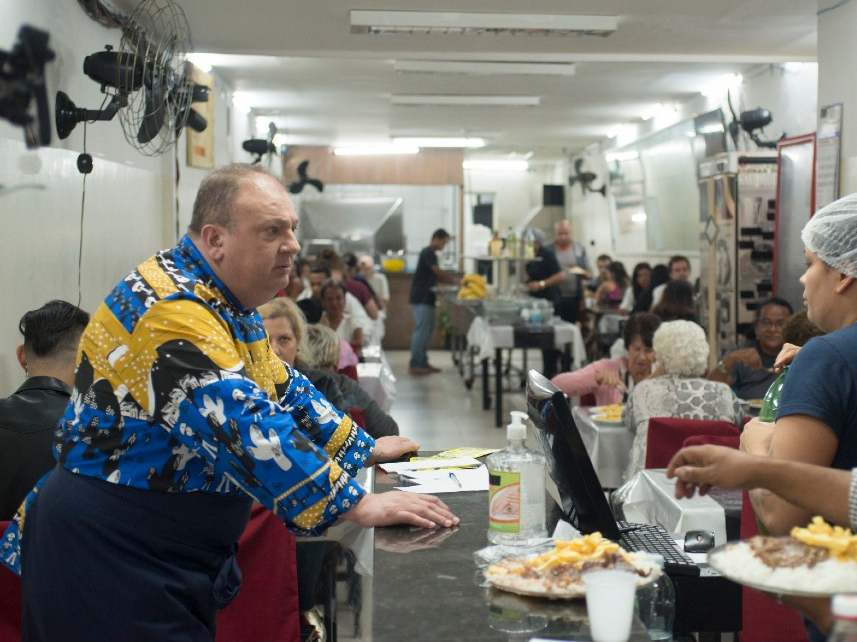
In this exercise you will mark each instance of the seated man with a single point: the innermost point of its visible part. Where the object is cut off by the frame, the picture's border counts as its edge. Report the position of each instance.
(29, 417)
(748, 368)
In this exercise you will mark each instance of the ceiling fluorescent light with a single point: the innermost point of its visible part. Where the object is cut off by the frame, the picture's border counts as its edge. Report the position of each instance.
(374, 150)
(486, 68)
(440, 142)
(496, 165)
(482, 101)
(473, 23)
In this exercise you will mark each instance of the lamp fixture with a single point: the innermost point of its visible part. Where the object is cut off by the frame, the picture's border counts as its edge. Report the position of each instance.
(468, 100)
(479, 23)
(486, 68)
(496, 165)
(374, 150)
(447, 142)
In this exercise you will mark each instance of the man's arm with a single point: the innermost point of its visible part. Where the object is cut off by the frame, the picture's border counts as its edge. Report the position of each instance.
(817, 490)
(441, 275)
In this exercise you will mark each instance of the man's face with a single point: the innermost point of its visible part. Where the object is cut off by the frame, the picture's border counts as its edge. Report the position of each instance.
(255, 258)
(367, 266)
(563, 234)
(602, 267)
(769, 327)
(680, 271)
(283, 341)
(819, 283)
(438, 244)
(315, 281)
(333, 302)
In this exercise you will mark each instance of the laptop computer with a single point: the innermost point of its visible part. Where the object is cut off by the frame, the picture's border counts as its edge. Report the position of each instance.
(583, 502)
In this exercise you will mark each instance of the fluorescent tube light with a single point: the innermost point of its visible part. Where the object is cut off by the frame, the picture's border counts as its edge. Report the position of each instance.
(440, 142)
(486, 68)
(473, 23)
(497, 165)
(374, 150)
(472, 100)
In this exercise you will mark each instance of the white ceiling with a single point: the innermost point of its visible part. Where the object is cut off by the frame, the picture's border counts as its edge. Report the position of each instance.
(323, 85)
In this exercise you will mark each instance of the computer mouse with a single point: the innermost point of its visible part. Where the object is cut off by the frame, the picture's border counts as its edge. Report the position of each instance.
(698, 541)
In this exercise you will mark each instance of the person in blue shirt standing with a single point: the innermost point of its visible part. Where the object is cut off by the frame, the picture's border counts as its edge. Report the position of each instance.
(422, 300)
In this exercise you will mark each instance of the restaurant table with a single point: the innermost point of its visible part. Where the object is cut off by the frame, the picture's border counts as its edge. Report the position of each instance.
(649, 498)
(486, 340)
(608, 445)
(425, 586)
(378, 381)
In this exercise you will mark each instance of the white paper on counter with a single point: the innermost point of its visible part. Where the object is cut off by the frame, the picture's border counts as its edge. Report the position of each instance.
(428, 464)
(432, 482)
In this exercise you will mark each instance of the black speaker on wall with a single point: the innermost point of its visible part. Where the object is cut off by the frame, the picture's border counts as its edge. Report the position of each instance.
(553, 195)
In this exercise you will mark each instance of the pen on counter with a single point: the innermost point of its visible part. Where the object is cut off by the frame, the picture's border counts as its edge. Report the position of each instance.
(454, 478)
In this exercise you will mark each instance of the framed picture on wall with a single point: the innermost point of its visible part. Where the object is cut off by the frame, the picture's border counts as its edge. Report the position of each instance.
(200, 145)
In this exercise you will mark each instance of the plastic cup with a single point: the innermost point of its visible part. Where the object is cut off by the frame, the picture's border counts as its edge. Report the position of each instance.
(610, 604)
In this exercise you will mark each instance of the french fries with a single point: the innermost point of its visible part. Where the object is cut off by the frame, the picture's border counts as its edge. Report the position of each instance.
(577, 551)
(613, 412)
(841, 542)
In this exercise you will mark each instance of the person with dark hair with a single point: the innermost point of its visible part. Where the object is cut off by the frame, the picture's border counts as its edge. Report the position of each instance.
(332, 297)
(610, 293)
(660, 275)
(679, 270)
(29, 417)
(601, 264)
(677, 302)
(422, 300)
(749, 367)
(610, 380)
(641, 280)
(181, 416)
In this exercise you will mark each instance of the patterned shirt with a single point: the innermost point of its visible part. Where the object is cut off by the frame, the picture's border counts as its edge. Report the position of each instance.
(176, 391)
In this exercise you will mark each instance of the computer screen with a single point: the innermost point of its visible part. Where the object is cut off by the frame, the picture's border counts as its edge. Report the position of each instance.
(583, 502)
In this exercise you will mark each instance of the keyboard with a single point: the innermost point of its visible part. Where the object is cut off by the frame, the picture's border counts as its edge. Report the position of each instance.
(655, 539)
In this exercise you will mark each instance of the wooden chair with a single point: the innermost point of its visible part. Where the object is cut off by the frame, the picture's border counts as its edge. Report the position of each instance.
(666, 435)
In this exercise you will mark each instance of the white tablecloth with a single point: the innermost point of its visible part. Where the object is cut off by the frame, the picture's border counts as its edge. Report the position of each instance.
(649, 498)
(378, 380)
(609, 446)
(489, 337)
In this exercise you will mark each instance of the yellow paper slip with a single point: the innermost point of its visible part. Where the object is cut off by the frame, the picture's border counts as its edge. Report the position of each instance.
(467, 451)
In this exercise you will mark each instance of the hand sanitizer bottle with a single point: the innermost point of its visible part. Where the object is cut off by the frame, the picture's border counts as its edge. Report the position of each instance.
(516, 498)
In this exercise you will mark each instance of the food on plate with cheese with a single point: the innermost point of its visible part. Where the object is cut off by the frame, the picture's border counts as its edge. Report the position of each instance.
(558, 573)
(820, 559)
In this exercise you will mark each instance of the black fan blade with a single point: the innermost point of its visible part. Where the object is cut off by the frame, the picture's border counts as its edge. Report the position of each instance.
(196, 121)
(302, 170)
(200, 93)
(296, 187)
(316, 184)
(156, 112)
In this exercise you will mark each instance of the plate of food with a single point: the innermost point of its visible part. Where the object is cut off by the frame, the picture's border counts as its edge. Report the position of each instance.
(817, 561)
(755, 404)
(609, 415)
(558, 573)
(576, 269)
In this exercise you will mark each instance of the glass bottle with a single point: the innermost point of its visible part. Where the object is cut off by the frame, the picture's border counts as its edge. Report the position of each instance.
(516, 481)
(495, 245)
(844, 628)
(771, 402)
(656, 604)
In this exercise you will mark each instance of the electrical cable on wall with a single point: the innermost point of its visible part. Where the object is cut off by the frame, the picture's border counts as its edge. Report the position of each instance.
(84, 155)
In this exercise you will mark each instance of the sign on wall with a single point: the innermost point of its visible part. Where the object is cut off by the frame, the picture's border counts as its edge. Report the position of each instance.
(200, 145)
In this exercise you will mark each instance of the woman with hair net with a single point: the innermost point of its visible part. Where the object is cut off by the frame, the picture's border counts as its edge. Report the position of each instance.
(817, 416)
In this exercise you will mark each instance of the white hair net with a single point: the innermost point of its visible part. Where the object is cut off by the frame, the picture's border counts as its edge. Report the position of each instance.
(832, 235)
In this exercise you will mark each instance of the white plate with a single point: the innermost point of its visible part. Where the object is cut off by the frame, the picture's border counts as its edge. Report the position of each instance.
(715, 560)
(595, 410)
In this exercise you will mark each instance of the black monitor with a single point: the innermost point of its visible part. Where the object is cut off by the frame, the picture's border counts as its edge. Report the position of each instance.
(583, 502)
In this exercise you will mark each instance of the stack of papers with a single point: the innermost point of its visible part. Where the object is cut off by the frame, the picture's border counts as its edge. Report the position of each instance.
(434, 476)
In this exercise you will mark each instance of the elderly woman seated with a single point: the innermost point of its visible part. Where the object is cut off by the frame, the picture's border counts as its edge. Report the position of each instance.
(611, 379)
(677, 388)
(314, 351)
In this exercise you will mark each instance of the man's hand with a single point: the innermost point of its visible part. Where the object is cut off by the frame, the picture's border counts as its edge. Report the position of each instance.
(701, 467)
(756, 437)
(396, 507)
(748, 356)
(786, 356)
(390, 449)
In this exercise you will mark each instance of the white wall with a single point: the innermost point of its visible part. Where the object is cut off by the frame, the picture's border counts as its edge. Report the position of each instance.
(129, 210)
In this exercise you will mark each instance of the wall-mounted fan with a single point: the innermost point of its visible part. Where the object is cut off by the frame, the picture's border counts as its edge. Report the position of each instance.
(304, 180)
(152, 56)
(262, 146)
(751, 121)
(585, 179)
(23, 97)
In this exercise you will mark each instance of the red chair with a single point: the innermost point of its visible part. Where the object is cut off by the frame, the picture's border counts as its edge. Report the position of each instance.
(349, 371)
(588, 400)
(764, 619)
(10, 601)
(266, 607)
(730, 441)
(666, 435)
(357, 416)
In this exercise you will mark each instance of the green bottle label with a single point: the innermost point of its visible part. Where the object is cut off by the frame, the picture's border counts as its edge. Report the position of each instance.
(504, 501)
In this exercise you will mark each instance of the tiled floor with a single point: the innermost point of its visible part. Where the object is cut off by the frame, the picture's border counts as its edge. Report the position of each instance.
(439, 412)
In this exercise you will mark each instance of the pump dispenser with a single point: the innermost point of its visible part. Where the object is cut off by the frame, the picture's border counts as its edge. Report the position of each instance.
(516, 478)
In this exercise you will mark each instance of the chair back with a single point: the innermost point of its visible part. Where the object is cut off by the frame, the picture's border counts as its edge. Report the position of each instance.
(666, 435)
(266, 607)
(358, 416)
(763, 619)
(730, 441)
(349, 371)
(10, 600)
(588, 399)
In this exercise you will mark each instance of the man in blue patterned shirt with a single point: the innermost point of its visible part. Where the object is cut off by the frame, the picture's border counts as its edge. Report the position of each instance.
(181, 416)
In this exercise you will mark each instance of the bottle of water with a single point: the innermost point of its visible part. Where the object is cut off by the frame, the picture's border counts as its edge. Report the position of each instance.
(771, 402)
(844, 629)
(516, 497)
(656, 605)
